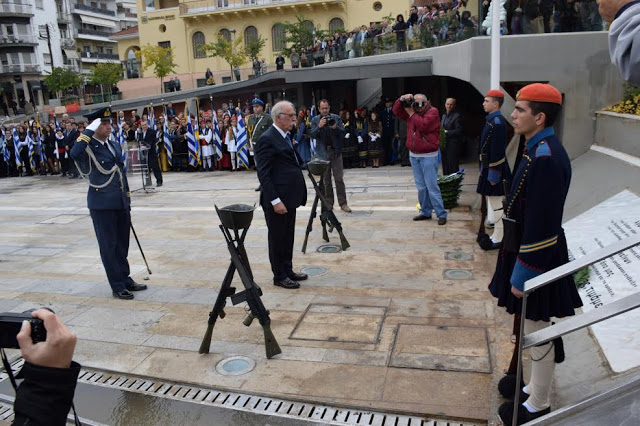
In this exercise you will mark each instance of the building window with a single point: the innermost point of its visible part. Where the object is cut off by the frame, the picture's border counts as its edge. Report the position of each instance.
(225, 34)
(309, 25)
(336, 24)
(86, 48)
(109, 51)
(250, 34)
(164, 44)
(198, 41)
(278, 38)
(39, 4)
(149, 5)
(101, 49)
(47, 59)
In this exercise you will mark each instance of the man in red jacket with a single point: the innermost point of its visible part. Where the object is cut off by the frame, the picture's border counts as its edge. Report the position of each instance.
(423, 141)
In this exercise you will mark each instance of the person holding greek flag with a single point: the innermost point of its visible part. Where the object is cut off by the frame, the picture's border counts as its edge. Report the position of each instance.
(6, 155)
(192, 143)
(166, 139)
(312, 141)
(217, 139)
(122, 141)
(32, 150)
(242, 143)
(18, 147)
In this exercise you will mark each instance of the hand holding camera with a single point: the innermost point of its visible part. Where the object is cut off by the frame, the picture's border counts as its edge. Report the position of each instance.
(56, 350)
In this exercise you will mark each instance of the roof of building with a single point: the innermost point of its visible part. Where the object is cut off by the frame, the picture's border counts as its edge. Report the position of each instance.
(127, 33)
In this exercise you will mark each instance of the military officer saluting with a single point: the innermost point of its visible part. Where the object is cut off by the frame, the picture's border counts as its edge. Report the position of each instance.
(100, 161)
(257, 124)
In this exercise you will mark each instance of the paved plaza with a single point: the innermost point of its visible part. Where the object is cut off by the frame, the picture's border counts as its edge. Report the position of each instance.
(400, 322)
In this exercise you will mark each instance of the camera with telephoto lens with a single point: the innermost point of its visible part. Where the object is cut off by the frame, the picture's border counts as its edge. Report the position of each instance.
(11, 323)
(330, 121)
(407, 103)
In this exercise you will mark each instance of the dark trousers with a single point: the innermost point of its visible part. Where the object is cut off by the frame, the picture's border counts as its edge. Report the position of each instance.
(112, 231)
(281, 236)
(338, 174)
(387, 144)
(155, 167)
(450, 160)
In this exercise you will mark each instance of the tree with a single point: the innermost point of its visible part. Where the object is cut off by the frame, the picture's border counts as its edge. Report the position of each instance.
(300, 34)
(158, 57)
(254, 47)
(230, 51)
(106, 73)
(62, 79)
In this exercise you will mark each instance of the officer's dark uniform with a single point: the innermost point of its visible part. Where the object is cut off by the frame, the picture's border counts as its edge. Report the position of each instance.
(388, 131)
(493, 142)
(109, 204)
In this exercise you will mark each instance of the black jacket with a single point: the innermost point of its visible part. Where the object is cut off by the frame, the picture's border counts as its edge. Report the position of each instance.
(326, 136)
(452, 123)
(149, 140)
(279, 171)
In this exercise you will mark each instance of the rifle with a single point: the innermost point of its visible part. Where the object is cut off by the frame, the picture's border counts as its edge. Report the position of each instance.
(328, 216)
(310, 224)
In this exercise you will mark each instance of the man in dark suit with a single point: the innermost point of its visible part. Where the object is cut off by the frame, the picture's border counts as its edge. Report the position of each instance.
(452, 125)
(71, 134)
(388, 130)
(283, 190)
(148, 139)
(108, 200)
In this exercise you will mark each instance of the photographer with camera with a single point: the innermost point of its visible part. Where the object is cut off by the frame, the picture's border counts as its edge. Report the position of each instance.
(49, 374)
(329, 132)
(423, 141)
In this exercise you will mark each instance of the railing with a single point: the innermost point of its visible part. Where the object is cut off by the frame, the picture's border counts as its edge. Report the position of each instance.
(19, 69)
(94, 9)
(200, 6)
(87, 31)
(19, 9)
(18, 39)
(96, 55)
(574, 323)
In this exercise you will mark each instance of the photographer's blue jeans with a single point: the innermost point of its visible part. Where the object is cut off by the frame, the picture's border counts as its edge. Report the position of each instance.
(425, 174)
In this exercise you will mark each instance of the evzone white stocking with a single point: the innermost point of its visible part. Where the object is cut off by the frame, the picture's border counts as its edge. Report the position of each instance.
(494, 214)
(542, 367)
(233, 160)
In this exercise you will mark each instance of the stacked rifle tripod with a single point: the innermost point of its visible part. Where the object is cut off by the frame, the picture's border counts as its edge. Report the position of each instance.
(236, 220)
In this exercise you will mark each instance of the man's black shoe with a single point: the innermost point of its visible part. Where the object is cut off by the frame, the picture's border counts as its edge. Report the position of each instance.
(287, 283)
(136, 287)
(442, 221)
(507, 387)
(159, 184)
(124, 294)
(421, 217)
(524, 416)
(258, 188)
(295, 276)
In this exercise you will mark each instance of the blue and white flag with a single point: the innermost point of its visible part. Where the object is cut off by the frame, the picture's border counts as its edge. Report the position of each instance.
(217, 138)
(32, 152)
(16, 143)
(5, 150)
(192, 143)
(165, 138)
(242, 143)
(313, 141)
(40, 141)
(122, 141)
(151, 120)
(55, 121)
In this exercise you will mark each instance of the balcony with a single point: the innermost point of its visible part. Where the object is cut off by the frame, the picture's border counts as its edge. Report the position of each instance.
(99, 56)
(11, 9)
(84, 8)
(19, 69)
(67, 43)
(17, 40)
(98, 33)
(221, 6)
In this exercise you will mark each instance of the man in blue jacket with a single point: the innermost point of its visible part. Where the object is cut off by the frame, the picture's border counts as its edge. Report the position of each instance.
(108, 199)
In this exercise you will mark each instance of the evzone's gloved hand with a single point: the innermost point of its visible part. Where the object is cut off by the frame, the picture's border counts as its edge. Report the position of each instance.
(360, 140)
(347, 136)
(94, 124)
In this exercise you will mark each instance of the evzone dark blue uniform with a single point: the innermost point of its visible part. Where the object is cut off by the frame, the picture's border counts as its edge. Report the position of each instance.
(109, 204)
(494, 169)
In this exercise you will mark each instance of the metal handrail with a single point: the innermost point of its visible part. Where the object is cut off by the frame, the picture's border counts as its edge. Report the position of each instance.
(549, 333)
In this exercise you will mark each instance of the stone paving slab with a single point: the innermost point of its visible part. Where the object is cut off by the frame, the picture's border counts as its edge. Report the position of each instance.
(392, 275)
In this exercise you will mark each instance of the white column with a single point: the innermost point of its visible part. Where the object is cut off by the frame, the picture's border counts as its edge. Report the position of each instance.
(495, 44)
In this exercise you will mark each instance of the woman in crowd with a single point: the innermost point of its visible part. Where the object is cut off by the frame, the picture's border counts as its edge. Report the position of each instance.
(49, 141)
(303, 144)
(400, 29)
(230, 140)
(375, 148)
(350, 143)
(361, 136)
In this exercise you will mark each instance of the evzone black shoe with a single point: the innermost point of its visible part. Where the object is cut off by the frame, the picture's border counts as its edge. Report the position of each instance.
(136, 287)
(507, 387)
(287, 283)
(295, 276)
(505, 411)
(124, 294)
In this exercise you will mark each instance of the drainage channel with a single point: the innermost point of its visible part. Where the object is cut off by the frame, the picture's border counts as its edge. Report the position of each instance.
(103, 397)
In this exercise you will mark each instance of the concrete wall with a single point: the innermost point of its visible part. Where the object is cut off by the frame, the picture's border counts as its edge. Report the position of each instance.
(618, 131)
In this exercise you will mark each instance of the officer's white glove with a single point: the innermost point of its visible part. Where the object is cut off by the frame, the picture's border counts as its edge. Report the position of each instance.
(347, 135)
(360, 139)
(94, 124)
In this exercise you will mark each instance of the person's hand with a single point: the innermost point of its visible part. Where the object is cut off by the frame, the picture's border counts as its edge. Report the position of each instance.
(517, 293)
(407, 96)
(347, 136)
(322, 122)
(280, 208)
(609, 8)
(56, 351)
(94, 124)
(396, 136)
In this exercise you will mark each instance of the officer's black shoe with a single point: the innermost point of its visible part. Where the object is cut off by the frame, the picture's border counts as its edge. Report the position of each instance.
(124, 294)
(287, 283)
(524, 416)
(136, 287)
(507, 387)
(258, 188)
(295, 276)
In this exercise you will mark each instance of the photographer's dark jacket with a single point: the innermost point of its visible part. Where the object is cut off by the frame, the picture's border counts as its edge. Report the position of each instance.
(423, 129)
(327, 136)
(493, 142)
(45, 395)
(115, 195)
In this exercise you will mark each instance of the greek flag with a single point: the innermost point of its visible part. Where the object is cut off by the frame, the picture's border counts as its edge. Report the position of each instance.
(192, 143)
(5, 150)
(165, 138)
(313, 141)
(40, 139)
(123, 143)
(242, 143)
(217, 138)
(16, 142)
(55, 121)
(32, 152)
(151, 120)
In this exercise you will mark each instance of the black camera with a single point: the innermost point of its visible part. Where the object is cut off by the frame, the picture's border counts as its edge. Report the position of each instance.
(407, 103)
(331, 121)
(10, 325)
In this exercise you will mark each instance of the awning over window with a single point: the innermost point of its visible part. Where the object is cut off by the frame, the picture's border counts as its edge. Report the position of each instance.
(97, 21)
(71, 53)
